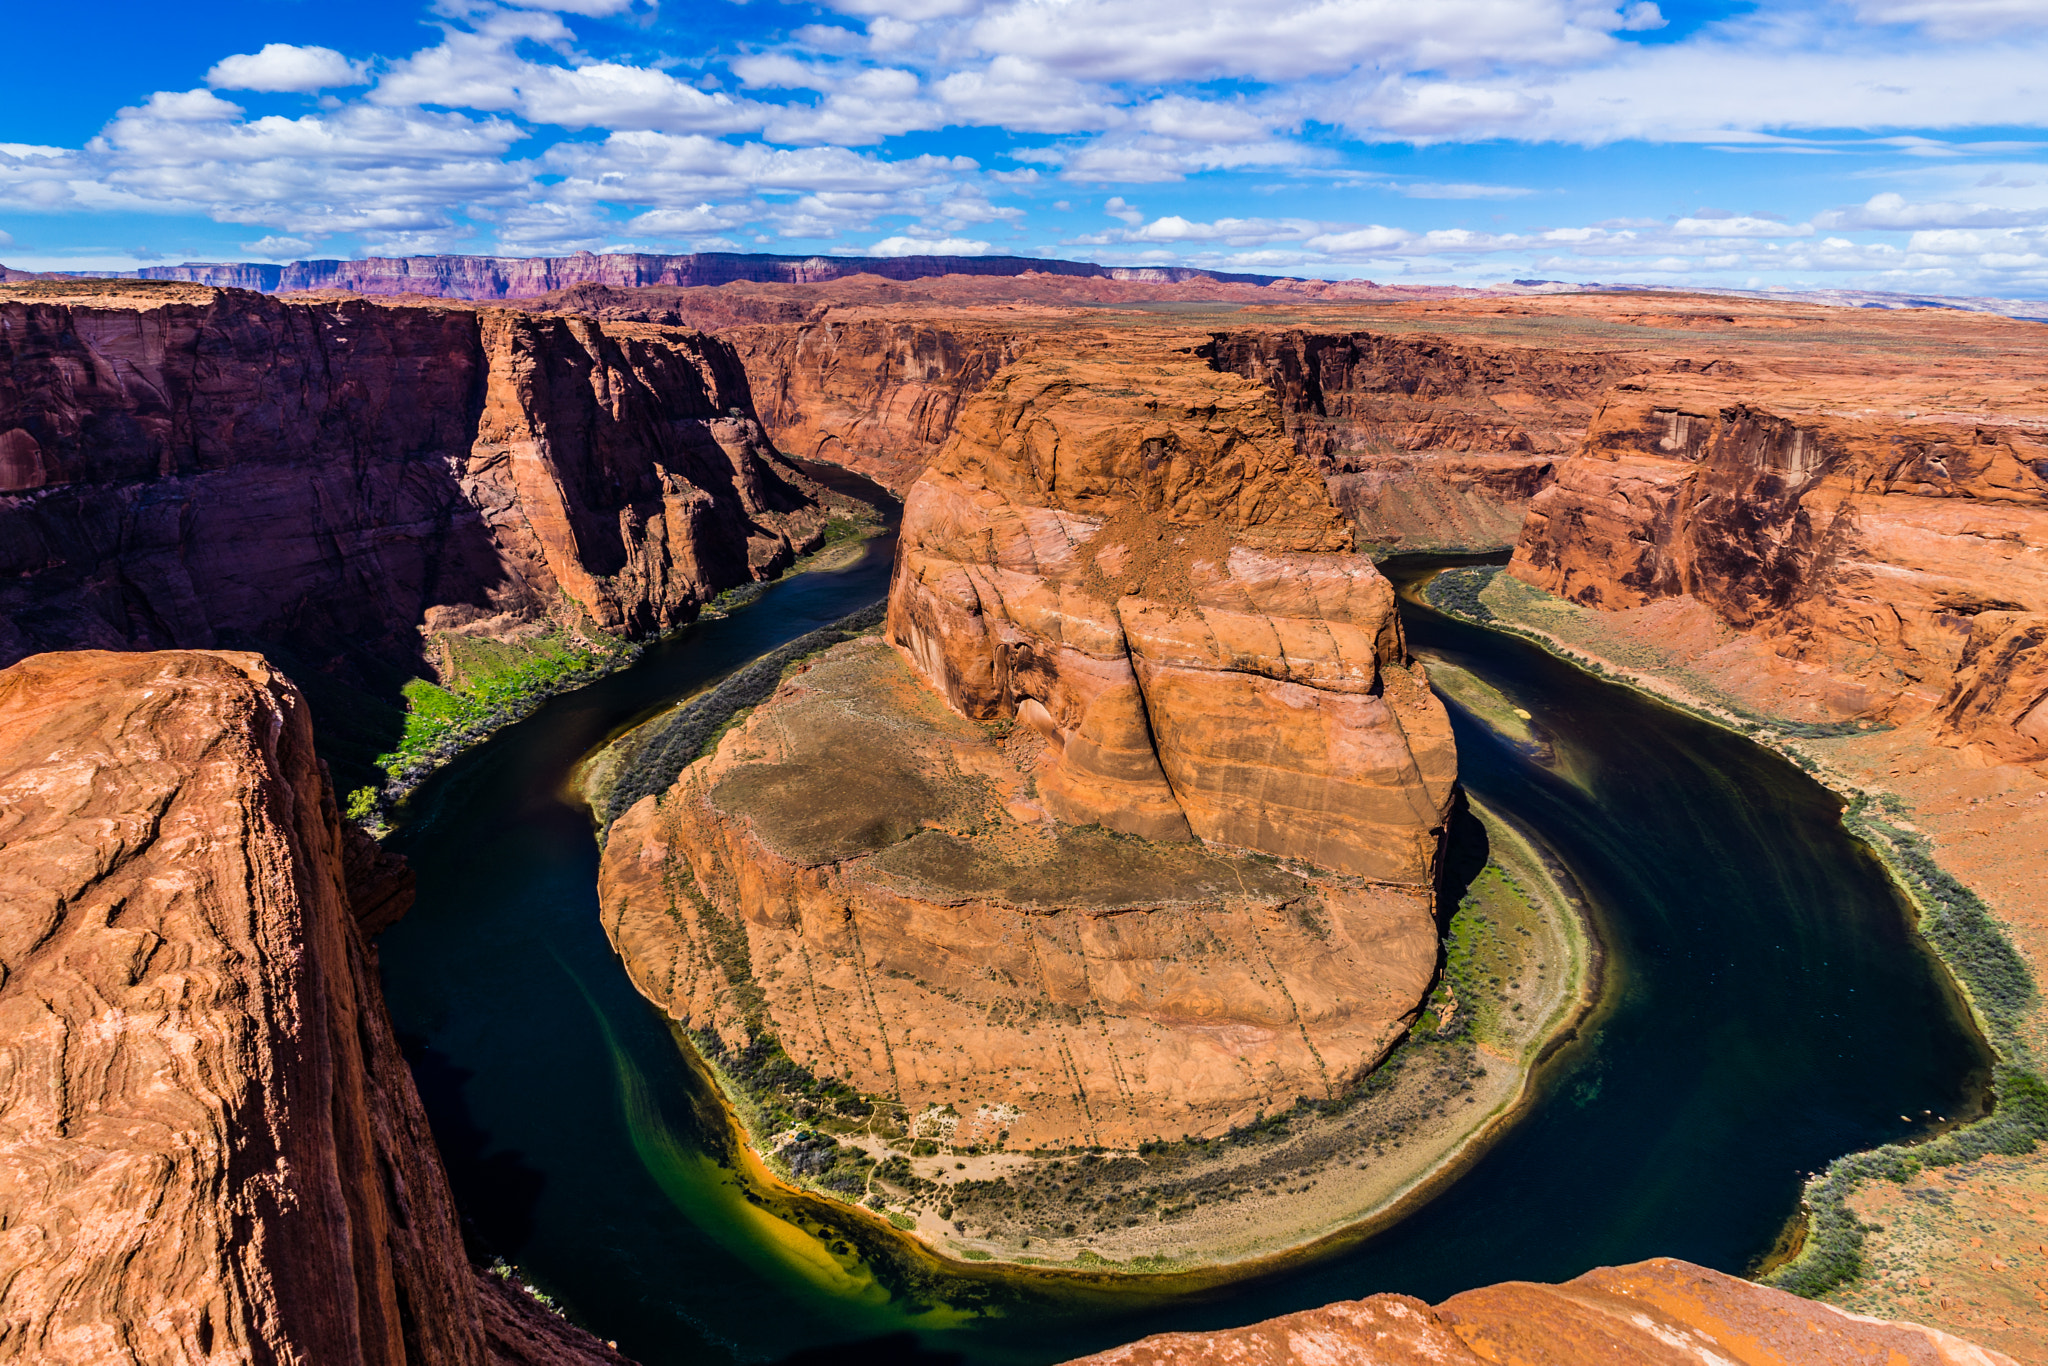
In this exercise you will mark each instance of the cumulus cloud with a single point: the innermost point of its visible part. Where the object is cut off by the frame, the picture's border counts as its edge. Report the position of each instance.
(276, 248)
(1893, 210)
(1284, 40)
(1737, 225)
(284, 68)
(503, 132)
(927, 246)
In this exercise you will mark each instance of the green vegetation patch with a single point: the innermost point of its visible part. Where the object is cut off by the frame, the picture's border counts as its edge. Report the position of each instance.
(2001, 992)
(1492, 943)
(491, 683)
(1489, 704)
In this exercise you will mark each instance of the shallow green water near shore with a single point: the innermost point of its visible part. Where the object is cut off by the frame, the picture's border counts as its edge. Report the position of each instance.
(1769, 1010)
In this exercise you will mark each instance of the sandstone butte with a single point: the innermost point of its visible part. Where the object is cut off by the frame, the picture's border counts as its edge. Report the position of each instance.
(190, 467)
(1021, 868)
(210, 1146)
(1655, 1313)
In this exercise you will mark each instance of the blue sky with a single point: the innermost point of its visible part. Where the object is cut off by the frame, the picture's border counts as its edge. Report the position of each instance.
(1882, 144)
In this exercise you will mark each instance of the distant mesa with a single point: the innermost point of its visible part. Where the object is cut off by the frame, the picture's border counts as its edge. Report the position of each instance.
(517, 277)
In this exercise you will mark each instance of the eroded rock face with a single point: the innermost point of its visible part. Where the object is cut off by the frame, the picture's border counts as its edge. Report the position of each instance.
(1135, 561)
(1895, 562)
(874, 881)
(1427, 443)
(188, 471)
(210, 1147)
(1656, 1313)
(877, 396)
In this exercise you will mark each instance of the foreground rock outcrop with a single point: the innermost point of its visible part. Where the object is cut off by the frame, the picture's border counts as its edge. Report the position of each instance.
(187, 467)
(1655, 1313)
(210, 1147)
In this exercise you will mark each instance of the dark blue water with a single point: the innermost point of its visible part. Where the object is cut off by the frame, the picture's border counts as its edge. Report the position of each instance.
(1767, 1010)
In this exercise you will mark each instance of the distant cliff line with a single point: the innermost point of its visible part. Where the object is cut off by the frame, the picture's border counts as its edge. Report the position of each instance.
(513, 277)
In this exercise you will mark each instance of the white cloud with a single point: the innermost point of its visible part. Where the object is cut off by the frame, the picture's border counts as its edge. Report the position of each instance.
(921, 246)
(687, 222)
(1361, 241)
(1894, 211)
(483, 70)
(1024, 97)
(276, 248)
(1460, 190)
(1957, 18)
(1721, 89)
(504, 133)
(1734, 225)
(594, 9)
(1286, 40)
(283, 68)
(6, 239)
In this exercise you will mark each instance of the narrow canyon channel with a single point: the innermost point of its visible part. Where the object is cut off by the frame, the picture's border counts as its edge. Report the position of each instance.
(1766, 1008)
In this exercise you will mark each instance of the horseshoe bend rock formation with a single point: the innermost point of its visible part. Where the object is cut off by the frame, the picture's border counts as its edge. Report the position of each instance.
(182, 466)
(962, 873)
(1662, 1312)
(1133, 560)
(210, 1146)
(1875, 561)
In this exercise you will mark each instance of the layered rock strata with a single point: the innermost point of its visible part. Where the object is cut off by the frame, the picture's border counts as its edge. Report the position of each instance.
(1656, 1313)
(1869, 563)
(1427, 443)
(875, 395)
(1134, 561)
(210, 1147)
(187, 467)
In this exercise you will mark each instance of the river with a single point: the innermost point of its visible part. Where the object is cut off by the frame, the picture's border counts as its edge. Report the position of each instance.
(1767, 1008)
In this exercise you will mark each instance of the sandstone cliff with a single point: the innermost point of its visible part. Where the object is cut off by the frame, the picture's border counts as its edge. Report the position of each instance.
(191, 467)
(874, 395)
(1655, 1313)
(1427, 443)
(210, 1147)
(1134, 561)
(1875, 562)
